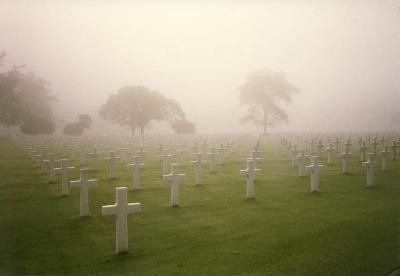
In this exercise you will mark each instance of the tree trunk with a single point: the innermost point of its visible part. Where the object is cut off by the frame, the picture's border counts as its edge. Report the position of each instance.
(265, 123)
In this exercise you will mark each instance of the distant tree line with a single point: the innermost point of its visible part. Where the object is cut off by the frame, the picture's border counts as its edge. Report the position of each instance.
(26, 102)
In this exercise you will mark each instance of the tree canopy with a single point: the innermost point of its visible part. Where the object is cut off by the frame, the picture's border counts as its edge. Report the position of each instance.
(183, 127)
(78, 128)
(25, 101)
(137, 106)
(263, 92)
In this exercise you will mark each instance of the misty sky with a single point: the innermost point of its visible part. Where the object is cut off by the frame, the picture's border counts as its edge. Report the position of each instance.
(344, 56)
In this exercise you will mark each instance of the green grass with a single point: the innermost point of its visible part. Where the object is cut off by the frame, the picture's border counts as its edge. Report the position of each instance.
(345, 229)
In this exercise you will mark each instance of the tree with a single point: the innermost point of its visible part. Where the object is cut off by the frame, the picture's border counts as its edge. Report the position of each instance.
(263, 92)
(137, 106)
(85, 120)
(183, 127)
(73, 129)
(77, 128)
(25, 101)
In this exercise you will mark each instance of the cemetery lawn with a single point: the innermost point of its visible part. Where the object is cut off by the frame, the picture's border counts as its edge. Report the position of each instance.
(345, 229)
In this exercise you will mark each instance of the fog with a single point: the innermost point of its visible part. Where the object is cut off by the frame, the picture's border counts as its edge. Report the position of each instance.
(343, 56)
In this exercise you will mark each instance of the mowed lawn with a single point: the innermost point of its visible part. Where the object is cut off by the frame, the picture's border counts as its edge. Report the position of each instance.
(345, 229)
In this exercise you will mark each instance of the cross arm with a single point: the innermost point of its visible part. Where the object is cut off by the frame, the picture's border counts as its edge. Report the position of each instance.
(244, 172)
(134, 207)
(109, 210)
(168, 177)
(182, 176)
(75, 183)
(92, 182)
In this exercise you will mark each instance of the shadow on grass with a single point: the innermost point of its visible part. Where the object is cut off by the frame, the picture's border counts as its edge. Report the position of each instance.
(120, 257)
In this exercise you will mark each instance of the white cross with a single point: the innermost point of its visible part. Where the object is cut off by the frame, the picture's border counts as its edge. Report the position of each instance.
(212, 155)
(111, 164)
(385, 154)
(394, 148)
(257, 150)
(124, 154)
(164, 158)
(141, 152)
(160, 148)
(121, 209)
(221, 153)
(173, 148)
(33, 154)
(314, 168)
(195, 148)
(63, 169)
(198, 163)
(29, 151)
(70, 152)
(84, 184)
(330, 150)
(312, 144)
(363, 151)
(345, 156)
(370, 170)
(94, 157)
(82, 155)
(375, 145)
(347, 146)
(294, 153)
(360, 141)
(40, 161)
(174, 178)
(181, 152)
(320, 146)
(383, 142)
(136, 166)
(51, 163)
(300, 160)
(250, 173)
(229, 147)
(255, 159)
(337, 143)
(204, 146)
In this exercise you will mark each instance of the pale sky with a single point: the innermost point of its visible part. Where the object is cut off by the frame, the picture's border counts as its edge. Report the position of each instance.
(343, 55)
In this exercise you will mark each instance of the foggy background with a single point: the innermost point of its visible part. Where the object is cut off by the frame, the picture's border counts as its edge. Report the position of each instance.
(342, 55)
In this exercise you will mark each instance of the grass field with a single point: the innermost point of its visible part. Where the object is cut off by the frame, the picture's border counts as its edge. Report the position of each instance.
(345, 229)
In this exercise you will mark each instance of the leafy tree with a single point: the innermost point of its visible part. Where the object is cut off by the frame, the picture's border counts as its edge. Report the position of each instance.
(137, 106)
(25, 101)
(183, 127)
(36, 126)
(73, 129)
(85, 120)
(77, 128)
(263, 92)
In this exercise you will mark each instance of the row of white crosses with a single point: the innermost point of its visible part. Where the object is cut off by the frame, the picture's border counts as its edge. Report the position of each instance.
(369, 164)
(120, 209)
